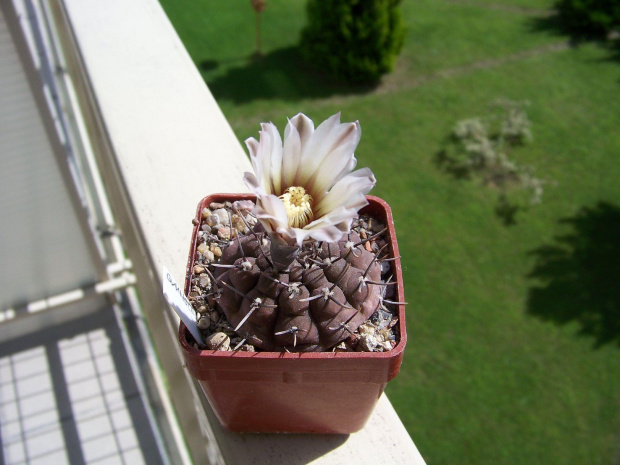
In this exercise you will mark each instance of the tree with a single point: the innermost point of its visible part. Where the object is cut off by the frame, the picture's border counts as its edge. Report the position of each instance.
(356, 41)
(593, 17)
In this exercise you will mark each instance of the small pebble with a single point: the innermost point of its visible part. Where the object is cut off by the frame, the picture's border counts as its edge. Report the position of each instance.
(199, 269)
(367, 329)
(203, 323)
(366, 343)
(205, 281)
(202, 248)
(218, 341)
(379, 337)
(216, 205)
(216, 250)
(223, 216)
(239, 224)
(224, 233)
(209, 255)
(206, 212)
(213, 220)
(342, 347)
(386, 345)
(243, 205)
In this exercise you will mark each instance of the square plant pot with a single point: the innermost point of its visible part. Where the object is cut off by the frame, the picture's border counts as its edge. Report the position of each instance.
(283, 392)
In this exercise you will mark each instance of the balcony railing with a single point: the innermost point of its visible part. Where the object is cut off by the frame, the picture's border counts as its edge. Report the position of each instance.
(161, 144)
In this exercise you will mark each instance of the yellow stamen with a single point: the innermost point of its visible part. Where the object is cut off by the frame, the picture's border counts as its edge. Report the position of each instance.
(298, 206)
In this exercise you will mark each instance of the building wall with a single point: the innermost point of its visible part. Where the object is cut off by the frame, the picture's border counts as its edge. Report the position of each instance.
(43, 248)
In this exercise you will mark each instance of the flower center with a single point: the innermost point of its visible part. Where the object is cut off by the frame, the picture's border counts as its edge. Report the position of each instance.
(298, 206)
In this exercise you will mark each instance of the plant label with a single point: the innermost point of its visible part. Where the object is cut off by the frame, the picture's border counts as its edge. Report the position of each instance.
(177, 300)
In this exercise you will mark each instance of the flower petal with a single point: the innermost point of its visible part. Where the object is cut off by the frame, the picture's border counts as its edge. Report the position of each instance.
(327, 155)
(320, 161)
(348, 192)
(304, 126)
(327, 233)
(269, 157)
(340, 160)
(273, 156)
(271, 212)
(291, 157)
(316, 147)
(253, 147)
(330, 227)
(252, 183)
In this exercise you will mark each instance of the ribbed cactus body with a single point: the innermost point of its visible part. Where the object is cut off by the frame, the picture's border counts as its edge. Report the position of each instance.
(319, 301)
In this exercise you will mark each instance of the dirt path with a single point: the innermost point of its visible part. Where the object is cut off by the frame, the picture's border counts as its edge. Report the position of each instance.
(392, 83)
(402, 78)
(541, 12)
(405, 79)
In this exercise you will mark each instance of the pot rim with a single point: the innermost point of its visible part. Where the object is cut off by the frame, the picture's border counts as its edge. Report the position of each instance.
(396, 351)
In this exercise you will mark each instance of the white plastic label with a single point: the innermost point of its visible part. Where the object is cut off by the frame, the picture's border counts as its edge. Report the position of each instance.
(177, 300)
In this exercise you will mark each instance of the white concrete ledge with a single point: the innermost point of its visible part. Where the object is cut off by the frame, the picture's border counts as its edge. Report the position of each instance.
(163, 144)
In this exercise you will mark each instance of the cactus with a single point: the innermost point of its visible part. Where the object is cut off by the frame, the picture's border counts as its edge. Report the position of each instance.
(295, 273)
(318, 301)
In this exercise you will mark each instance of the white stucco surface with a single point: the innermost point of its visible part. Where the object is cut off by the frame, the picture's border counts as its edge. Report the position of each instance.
(173, 146)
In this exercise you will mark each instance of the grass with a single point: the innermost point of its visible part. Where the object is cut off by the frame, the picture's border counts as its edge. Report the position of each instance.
(514, 348)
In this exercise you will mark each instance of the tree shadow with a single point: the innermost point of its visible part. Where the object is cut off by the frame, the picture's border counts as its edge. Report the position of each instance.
(555, 25)
(614, 50)
(506, 208)
(280, 74)
(580, 275)
(552, 23)
(445, 161)
(209, 65)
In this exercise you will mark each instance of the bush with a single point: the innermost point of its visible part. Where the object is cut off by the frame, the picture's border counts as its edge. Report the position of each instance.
(481, 147)
(591, 17)
(356, 41)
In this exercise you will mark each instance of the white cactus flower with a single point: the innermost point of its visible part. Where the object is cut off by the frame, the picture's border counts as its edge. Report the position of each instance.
(305, 186)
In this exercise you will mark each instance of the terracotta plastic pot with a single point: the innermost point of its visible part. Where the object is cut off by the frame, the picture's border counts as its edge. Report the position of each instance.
(331, 392)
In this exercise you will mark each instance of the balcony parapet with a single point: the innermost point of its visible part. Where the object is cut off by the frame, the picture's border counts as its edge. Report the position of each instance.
(162, 144)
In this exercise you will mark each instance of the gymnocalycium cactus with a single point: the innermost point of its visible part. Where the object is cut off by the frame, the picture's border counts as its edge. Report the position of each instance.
(301, 279)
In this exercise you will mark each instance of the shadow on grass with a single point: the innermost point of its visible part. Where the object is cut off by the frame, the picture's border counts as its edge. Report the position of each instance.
(555, 25)
(580, 275)
(447, 163)
(506, 209)
(281, 74)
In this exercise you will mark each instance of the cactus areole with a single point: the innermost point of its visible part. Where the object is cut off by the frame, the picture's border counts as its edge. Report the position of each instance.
(297, 288)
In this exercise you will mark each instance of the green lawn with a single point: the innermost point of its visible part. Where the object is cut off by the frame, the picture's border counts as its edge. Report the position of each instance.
(514, 331)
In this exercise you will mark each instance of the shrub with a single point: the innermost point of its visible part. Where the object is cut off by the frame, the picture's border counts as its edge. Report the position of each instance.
(356, 41)
(592, 17)
(481, 147)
